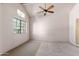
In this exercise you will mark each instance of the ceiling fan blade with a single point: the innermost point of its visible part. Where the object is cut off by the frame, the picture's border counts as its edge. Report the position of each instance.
(50, 7)
(50, 11)
(40, 12)
(41, 8)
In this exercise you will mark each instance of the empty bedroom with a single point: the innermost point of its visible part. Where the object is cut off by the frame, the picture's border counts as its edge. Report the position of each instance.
(39, 29)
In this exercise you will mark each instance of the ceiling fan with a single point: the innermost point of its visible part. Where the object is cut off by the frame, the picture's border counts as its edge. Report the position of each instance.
(46, 10)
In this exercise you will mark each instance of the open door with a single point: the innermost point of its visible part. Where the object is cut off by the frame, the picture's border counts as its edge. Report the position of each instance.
(77, 31)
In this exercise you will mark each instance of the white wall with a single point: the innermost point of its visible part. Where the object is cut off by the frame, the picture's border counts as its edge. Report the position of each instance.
(74, 14)
(0, 21)
(52, 27)
(0, 28)
(10, 39)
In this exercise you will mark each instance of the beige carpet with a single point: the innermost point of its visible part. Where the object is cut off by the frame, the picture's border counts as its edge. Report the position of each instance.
(27, 49)
(45, 48)
(57, 49)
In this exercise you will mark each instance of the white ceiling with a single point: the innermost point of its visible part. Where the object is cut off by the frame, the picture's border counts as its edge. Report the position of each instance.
(33, 8)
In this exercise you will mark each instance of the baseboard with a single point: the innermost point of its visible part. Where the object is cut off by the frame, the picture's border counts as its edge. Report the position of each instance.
(4, 54)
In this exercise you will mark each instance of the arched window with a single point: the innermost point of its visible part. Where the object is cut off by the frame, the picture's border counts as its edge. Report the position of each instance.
(19, 23)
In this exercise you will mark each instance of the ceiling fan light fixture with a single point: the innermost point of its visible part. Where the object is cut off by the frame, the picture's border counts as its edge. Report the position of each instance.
(47, 10)
(44, 14)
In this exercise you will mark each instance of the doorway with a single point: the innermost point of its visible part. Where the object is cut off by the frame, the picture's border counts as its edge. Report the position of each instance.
(77, 31)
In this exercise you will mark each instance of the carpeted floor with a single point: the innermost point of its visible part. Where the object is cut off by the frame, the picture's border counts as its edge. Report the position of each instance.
(45, 48)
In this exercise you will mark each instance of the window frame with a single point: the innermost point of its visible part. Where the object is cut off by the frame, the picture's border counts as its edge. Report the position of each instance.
(21, 26)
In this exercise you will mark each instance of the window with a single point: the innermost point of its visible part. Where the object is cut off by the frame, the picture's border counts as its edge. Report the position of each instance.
(19, 24)
(20, 13)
